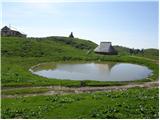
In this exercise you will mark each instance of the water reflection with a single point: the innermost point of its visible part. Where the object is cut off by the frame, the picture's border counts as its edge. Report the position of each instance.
(92, 71)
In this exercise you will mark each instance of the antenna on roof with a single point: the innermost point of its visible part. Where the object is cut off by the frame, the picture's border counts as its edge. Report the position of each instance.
(11, 27)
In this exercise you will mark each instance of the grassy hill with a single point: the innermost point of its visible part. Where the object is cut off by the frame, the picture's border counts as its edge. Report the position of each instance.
(151, 53)
(40, 47)
(148, 53)
(57, 47)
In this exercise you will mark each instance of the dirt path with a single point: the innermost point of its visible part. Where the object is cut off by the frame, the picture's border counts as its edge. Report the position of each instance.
(72, 90)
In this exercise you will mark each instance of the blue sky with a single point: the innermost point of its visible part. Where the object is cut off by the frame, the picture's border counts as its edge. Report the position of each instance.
(130, 24)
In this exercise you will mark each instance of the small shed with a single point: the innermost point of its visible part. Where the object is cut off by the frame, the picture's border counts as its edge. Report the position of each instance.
(105, 48)
(6, 31)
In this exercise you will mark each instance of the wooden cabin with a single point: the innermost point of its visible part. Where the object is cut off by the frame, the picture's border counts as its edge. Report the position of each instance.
(6, 31)
(105, 48)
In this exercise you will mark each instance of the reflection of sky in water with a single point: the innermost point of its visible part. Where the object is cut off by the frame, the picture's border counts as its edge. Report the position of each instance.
(96, 71)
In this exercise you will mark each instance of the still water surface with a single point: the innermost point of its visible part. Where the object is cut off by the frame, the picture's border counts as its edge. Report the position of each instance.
(92, 71)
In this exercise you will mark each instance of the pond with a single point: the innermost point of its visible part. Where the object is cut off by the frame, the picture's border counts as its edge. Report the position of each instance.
(92, 71)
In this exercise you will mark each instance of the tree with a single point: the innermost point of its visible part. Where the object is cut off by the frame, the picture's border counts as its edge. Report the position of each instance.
(142, 51)
(131, 51)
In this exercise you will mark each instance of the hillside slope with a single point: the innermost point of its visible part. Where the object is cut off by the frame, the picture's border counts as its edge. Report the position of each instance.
(148, 53)
(56, 46)
(40, 47)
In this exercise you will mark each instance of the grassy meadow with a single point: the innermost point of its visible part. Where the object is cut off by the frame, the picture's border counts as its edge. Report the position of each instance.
(133, 103)
(18, 55)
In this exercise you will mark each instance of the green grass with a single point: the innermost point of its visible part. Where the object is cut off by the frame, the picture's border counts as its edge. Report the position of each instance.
(20, 54)
(39, 47)
(151, 53)
(58, 47)
(134, 103)
(148, 53)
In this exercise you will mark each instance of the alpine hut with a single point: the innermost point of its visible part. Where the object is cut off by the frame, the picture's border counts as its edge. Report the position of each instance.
(6, 31)
(105, 48)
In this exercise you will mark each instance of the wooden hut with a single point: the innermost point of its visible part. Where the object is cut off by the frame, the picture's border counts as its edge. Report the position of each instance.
(6, 31)
(105, 48)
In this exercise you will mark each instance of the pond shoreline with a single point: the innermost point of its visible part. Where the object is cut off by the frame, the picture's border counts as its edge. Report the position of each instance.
(35, 80)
